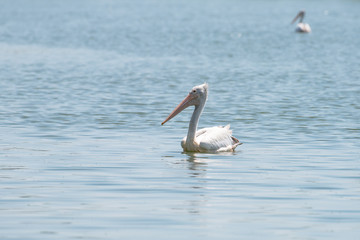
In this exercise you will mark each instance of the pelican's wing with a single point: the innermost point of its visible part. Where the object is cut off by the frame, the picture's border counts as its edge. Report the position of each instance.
(216, 139)
(303, 27)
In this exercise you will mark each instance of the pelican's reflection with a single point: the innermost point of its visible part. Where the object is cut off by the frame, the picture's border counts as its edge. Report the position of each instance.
(197, 164)
(199, 177)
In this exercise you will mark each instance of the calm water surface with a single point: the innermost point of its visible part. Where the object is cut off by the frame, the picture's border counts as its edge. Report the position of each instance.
(86, 84)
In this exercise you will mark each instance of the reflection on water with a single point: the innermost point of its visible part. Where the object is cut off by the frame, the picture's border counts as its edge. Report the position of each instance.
(196, 163)
(197, 166)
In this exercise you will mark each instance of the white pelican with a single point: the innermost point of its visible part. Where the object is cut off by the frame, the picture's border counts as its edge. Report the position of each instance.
(213, 139)
(301, 27)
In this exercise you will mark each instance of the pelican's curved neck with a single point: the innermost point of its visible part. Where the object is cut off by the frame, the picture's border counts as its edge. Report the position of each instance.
(190, 139)
(301, 18)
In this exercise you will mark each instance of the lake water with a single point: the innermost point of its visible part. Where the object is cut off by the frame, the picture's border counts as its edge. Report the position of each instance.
(85, 86)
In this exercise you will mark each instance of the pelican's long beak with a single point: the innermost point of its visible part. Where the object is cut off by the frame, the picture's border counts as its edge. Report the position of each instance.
(300, 15)
(184, 104)
(296, 17)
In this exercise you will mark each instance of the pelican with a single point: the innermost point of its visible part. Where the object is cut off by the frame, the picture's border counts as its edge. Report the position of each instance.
(213, 139)
(301, 27)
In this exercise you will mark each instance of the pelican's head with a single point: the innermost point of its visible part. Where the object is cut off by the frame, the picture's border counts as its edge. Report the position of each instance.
(300, 15)
(197, 96)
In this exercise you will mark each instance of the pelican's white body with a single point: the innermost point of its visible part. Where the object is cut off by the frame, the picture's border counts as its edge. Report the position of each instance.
(213, 139)
(303, 27)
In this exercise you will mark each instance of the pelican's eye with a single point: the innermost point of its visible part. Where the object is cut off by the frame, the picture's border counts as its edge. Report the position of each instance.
(194, 91)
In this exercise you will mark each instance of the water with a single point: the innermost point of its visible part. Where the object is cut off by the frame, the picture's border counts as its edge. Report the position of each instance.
(86, 84)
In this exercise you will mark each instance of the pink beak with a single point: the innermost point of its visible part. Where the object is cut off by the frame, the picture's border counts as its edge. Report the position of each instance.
(184, 104)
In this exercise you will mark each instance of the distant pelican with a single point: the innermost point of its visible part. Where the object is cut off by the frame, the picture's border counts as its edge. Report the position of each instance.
(213, 139)
(301, 27)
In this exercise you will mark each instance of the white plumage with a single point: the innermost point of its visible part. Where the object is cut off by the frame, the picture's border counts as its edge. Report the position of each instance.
(213, 139)
(301, 27)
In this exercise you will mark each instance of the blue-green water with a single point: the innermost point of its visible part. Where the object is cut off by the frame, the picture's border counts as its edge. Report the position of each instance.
(86, 84)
